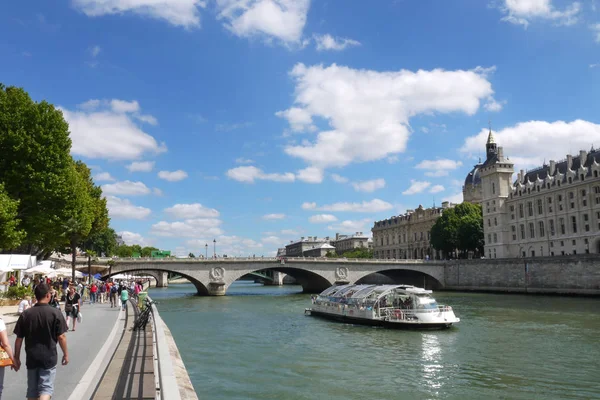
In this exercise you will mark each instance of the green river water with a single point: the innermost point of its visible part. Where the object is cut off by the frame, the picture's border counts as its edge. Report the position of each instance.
(256, 343)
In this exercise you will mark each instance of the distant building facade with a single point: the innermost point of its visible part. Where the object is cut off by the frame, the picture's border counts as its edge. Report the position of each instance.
(547, 211)
(297, 249)
(320, 250)
(344, 243)
(407, 236)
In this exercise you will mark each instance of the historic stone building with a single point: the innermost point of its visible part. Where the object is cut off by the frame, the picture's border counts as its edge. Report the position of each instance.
(546, 211)
(407, 236)
(344, 243)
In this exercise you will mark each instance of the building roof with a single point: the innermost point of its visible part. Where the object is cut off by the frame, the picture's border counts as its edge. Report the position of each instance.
(561, 167)
(474, 177)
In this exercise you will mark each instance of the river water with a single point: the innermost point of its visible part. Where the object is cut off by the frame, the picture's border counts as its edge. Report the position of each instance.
(256, 343)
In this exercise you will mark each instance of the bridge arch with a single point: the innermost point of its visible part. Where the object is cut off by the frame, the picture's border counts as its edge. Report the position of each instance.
(200, 287)
(311, 282)
(408, 276)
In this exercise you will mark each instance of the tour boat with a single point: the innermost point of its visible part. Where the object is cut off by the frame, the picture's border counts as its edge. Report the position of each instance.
(394, 306)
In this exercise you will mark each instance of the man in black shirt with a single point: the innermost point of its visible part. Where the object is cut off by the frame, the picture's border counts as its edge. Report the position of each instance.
(42, 327)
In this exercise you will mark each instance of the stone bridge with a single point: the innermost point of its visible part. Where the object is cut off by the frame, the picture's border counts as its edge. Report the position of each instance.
(214, 276)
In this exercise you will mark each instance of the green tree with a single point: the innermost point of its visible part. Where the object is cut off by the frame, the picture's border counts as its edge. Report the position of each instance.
(147, 251)
(102, 242)
(36, 168)
(459, 228)
(124, 251)
(191, 255)
(10, 234)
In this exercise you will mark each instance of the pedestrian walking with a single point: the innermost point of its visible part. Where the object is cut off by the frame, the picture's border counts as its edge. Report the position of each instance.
(113, 295)
(93, 292)
(124, 298)
(6, 355)
(103, 292)
(42, 327)
(72, 306)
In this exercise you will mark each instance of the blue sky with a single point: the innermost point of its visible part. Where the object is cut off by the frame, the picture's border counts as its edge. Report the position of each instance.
(256, 122)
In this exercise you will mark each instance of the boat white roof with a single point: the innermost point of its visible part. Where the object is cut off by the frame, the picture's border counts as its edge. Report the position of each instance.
(364, 291)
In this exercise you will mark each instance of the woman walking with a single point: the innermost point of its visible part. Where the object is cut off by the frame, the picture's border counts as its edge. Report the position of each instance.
(124, 298)
(72, 305)
(5, 344)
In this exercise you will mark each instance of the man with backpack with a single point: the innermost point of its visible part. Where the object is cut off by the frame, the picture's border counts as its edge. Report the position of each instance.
(113, 295)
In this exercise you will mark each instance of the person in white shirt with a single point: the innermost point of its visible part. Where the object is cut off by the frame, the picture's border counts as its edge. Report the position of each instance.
(24, 304)
(5, 344)
(26, 281)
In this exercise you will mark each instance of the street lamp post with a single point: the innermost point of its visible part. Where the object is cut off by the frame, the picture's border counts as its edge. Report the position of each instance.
(215, 248)
(206, 250)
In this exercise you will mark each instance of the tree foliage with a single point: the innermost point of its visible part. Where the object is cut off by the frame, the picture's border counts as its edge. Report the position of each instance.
(459, 228)
(103, 242)
(10, 234)
(355, 253)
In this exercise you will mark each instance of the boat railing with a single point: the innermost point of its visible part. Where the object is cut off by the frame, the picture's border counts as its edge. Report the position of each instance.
(402, 314)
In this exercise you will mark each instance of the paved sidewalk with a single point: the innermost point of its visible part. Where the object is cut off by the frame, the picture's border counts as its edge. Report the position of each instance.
(83, 345)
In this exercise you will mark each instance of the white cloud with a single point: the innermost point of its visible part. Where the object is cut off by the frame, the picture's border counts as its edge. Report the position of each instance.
(360, 225)
(290, 232)
(283, 20)
(123, 209)
(299, 119)
(249, 174)
(141, 166)
(416, 187)
(374, 205)
(369, 111)
(437, 168)
(190, 211)
(322, 218)
(197, 227)
(528, 144)
(328, 42)
(103, 129)
(242, 160)
(494, 106)
(272, 240)
(131, 238)
(149, 119)
(94, 51)
(157, 191)
(521, 12)
(424, 129)
(596, 65)
(437, 189)
(310, 175)
(184, 13)
(126, 188)
(369, 186)
(173, 176)
(339, 179)
(271, 217)
(596, 29)
(104, 177)
(455, 198)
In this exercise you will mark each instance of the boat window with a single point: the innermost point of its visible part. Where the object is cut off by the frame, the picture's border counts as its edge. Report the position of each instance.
(424, 301)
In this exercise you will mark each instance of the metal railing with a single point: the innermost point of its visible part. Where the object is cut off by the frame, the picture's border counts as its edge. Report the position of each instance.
(273, 259)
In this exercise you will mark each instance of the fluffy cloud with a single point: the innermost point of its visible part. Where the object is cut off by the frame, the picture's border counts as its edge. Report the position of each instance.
(126, 188)
(322, 218)
(310, 175)
(521, 12)
(328, 42)
(436, 189)
(339, 179)
(437, 168)
(374, 205)
(596, 29)
(196, 227)
(242, 160)
(141, 166)
(352, 225)
(190, 211)
(132, 238)
(416, 187)
(270, 217)
(369, 186)
(104, 177)
(173, 176)
(272, 240)
(299, 119)
(250, 174)
(455, 198)
(283, 20)
(106, 129)
(369, 111)
(183, 13)
(528, 144)
(123, 209)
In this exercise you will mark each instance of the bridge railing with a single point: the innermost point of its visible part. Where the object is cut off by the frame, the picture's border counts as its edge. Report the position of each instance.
(277, 259)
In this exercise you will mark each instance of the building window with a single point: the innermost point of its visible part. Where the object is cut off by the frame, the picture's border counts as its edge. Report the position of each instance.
(493, 188)
(562, 226)
(551, 227)
(572, 205)
(495, 238)
(495, 221)
(531, 230)
(530, 209)
(521, 210)
(551, 244)
(522, 232)
(489, 238)
(540, 207)
(571, 195)
(562, 243)
(541, 229)
(387, 240)
(532, 253)
(514, 232)
(494, 253)
(570, 180)
(574, 223)
(549, 200)
(512, 208)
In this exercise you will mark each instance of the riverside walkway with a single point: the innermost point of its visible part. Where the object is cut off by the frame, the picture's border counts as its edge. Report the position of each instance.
(85, 364)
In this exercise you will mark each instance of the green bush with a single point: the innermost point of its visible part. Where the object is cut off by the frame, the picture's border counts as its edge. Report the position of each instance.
(17, 293)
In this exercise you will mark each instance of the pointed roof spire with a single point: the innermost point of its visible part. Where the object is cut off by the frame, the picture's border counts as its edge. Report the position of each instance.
(491, 139)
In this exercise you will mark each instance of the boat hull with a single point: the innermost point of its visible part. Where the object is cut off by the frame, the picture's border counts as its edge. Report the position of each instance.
(377, 322)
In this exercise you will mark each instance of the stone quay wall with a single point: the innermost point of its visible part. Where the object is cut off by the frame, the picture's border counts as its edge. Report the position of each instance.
(578, 275)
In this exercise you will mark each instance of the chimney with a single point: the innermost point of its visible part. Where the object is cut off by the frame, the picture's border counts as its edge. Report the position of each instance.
(302, 238)
(500, 154)
(521, 176)
(582, 157)
(552, 167)
(337, 236)
(569, 161)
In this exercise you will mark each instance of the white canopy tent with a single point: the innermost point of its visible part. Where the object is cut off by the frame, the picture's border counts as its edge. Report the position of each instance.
(44, 268)
(13, 262)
